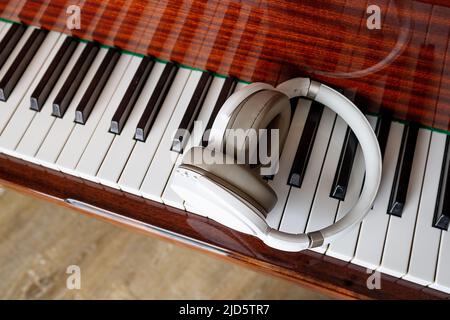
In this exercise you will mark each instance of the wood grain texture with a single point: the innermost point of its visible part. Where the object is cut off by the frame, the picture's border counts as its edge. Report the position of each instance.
(404, 67)
(308, 268)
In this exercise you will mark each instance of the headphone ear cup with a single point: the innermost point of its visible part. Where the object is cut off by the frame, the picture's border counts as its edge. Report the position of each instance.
(235, 178)
(266, 109)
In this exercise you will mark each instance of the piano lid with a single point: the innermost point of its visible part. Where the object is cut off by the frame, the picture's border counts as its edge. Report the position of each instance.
(395, 53)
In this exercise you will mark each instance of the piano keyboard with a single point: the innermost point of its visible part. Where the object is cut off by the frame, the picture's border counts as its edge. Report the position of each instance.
(110, 117)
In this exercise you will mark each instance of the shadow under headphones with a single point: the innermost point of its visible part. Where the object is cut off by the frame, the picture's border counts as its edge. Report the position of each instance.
(233, 195)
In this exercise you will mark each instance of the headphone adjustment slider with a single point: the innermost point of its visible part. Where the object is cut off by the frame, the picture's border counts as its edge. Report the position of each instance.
(316, 239)
(313, 89)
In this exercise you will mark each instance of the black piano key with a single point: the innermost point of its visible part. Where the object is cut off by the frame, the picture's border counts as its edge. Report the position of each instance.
(305, 145)
(226, 91)
(10, 41)
(403, 170)
(131, 95)
(20, 63)
(293, 102)
(52, 74)
(344, 168)
(73, 81)
(96, 86)
(192, 111)
(442, 211)
(382, 131)
(156, 101)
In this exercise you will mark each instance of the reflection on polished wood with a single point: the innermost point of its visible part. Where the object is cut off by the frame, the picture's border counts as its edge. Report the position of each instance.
(308, 268)
(404, 67)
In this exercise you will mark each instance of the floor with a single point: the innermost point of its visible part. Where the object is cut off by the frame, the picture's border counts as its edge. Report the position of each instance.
(39, 241)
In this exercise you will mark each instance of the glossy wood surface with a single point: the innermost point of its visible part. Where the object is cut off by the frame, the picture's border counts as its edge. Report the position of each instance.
(404, 67)
(308, 268)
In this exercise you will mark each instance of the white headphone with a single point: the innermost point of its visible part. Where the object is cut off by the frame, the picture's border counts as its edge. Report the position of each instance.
(233, 195)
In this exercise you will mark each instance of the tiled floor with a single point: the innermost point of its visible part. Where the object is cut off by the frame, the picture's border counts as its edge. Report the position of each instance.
(39, 240)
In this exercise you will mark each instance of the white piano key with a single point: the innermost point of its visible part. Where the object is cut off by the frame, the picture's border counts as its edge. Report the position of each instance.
(123, 144)
(3, 26)
(62, 127)
(401, 230)
(442, 278)
(101, 140)
(143, 152)
(81, 134)
(279, 182)
(442, 281)
(425, 249)
(240, 85)
(5, 29)
(23, 115)
(374, 227)
(344, 247)
(8, 107)
(299, 202)
(169, 196)
(324, 208)
(43, 120)
(162, 164)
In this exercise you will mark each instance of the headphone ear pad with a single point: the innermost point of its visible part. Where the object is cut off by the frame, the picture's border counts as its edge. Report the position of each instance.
(237, 179)
(265, 109)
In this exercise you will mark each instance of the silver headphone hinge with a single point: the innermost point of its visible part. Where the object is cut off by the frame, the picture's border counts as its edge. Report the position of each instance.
(313, 89)
(316, 239)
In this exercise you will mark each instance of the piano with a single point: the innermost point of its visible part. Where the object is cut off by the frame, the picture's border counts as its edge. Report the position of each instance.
(88, 115)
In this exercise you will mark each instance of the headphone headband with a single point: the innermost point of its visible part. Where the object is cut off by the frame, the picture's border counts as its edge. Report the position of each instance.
(372, 158)
(230, 204)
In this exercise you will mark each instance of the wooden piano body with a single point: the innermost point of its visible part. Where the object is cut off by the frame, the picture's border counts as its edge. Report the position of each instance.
(402, 68)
